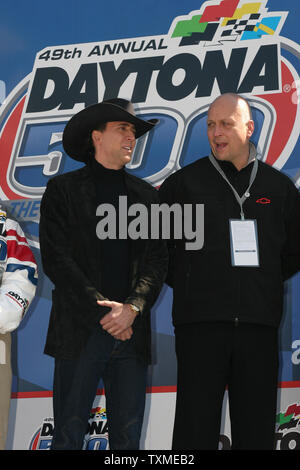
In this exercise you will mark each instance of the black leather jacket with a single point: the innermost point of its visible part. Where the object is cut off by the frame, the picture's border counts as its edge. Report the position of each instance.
(70, 259)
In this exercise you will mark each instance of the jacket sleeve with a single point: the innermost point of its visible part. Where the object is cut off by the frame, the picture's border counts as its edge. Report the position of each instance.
(57, 260)
(19, 278)
(152, 272)
(291, 250)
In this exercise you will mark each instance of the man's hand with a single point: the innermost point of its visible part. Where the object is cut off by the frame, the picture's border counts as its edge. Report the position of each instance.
(119, 320)
(126, 334)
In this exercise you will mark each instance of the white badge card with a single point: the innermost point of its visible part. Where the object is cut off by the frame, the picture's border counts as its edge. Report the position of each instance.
(244, 245)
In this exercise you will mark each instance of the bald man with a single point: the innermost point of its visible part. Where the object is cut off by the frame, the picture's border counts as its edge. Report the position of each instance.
(228, 296)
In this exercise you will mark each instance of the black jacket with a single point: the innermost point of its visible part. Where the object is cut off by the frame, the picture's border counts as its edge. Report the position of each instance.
(206, 287)
(70, 256)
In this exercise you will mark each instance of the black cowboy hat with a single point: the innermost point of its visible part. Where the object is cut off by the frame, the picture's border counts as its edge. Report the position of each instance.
(78, 129)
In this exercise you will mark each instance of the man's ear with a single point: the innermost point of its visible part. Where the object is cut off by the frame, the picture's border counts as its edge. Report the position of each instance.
(250, 125)
(96, 136)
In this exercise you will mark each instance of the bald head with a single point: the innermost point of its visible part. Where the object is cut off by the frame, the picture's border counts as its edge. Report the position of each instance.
(229, 128)
(232, 99)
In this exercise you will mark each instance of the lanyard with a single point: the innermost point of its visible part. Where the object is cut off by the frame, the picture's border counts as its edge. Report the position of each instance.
(239, 199)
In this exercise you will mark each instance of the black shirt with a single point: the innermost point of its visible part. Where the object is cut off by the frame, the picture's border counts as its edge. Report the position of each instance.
(114, 253)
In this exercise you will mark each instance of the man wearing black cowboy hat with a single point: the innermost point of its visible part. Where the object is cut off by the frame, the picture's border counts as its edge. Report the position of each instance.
(104, 289)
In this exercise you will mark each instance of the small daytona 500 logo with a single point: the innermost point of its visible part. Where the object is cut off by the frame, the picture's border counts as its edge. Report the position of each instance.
(22, 302)
(96, 437)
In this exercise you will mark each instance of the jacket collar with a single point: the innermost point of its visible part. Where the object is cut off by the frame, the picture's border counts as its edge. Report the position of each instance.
(228, 166)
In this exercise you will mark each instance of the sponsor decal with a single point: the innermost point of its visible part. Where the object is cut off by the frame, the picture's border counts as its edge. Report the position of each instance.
(224, 46)
(287, 435)
(97, 435)
(42, 438)
(95, 439)
(263, 200)
(288, 428)
(22, 302)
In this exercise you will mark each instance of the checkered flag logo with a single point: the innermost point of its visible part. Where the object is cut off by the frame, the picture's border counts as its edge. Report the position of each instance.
(229, 20)
(239, 26)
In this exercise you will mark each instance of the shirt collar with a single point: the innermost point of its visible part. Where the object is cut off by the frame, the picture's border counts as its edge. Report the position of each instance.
(252, 153)
(252, 156)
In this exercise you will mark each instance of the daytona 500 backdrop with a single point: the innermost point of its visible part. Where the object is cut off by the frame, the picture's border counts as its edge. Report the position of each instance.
(170, 58)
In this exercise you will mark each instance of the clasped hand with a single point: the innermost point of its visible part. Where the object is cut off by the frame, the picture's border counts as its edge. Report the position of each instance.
(119, 320)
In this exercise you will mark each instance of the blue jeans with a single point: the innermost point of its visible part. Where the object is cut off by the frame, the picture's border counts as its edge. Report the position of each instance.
(75, 386)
